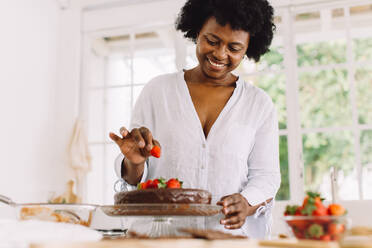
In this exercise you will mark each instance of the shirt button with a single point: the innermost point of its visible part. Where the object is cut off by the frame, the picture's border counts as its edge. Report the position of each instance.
(203, 167)
(204, 145)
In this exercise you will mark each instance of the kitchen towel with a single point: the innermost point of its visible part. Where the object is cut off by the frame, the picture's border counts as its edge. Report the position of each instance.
(80, 158)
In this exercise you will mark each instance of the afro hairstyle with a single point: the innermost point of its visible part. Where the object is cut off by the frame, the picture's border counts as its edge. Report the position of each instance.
(253, 16)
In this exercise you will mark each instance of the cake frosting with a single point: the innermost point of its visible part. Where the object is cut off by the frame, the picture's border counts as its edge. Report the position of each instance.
(164, 195)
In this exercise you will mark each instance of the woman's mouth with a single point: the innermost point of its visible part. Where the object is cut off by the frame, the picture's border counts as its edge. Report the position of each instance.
(216, 65)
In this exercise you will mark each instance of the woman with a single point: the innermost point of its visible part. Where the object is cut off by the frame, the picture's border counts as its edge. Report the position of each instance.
(216, 131)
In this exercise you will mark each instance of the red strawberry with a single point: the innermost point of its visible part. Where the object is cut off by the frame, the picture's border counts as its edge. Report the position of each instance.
(155, 151)
(325, 237)
(174, 183)
(153, 184)
(148, 184)
(321, 211)
(298, 224)
(298, 211)
(336, 209)
(335, 228)
(141, 186)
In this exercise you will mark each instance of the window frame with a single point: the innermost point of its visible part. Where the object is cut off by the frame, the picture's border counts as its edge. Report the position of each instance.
(293, 131)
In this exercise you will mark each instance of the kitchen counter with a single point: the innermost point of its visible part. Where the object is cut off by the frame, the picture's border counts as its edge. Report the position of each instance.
(190, 243)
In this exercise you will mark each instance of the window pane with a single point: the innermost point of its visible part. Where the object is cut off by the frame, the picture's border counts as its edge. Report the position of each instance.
(274, 85)
(307, 16)
(366, 152)
(151, 64)
(154, 55)
(136, 92)
(283, 193)
(95, 116)
(118, 70)
(272, 61)
(94, 177)
(366, 146)
(363, 79)
(324, 98)
(362, 49)
(118, 109)
(191, 60)
(112, 151)
(321, 152)
(95, 71)
(322, 53)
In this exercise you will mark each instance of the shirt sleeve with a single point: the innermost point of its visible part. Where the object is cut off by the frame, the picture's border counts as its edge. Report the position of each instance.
(259, 225)
(263, 162)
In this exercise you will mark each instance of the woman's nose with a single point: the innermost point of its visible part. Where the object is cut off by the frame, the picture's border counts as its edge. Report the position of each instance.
(220, 53)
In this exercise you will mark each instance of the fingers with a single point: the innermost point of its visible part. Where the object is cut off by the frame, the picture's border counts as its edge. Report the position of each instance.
(147, 136)
(223, 198)
(233, 221)
(234, 211)
(156, 143)
(235, 226)
(140, 138)
(137, 136)
(124, 132)
(229, 200)
(116, 139)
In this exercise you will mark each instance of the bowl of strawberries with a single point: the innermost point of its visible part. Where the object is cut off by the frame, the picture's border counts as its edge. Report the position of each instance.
(316, 221)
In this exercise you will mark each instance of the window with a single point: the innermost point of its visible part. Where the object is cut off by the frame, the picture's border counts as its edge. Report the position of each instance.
(318, 73)
(112, 95)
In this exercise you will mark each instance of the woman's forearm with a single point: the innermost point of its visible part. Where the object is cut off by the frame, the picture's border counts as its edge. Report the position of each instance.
(131, 173)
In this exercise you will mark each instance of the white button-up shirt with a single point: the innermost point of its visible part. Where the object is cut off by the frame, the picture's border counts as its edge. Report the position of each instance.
(239, 155)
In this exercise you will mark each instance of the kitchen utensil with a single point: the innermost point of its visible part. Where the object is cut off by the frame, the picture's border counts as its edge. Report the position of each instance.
(70, 213)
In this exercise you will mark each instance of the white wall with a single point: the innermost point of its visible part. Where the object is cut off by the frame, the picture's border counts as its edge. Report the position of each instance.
(34, 127)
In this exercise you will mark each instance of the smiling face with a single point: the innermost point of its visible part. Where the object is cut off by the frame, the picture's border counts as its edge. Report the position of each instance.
(220, 49)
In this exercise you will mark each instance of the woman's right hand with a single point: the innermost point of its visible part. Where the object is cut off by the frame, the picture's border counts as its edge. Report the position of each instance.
(136, 144)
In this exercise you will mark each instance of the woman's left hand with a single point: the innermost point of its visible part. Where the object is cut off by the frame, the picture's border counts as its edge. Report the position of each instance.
(236, 209)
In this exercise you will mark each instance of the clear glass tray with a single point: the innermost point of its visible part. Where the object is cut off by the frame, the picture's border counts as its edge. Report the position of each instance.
(161, 210)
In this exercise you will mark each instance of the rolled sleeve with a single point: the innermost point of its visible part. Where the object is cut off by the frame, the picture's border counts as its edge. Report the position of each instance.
(259, 225)
(263, 163)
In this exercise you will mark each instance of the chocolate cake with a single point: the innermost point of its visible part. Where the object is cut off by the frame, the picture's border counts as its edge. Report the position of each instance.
(167, 195)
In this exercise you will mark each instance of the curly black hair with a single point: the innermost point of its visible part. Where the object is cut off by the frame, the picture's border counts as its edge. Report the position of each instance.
(254, 16)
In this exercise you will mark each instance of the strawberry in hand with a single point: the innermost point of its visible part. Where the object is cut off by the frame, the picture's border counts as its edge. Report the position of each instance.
(155, 152)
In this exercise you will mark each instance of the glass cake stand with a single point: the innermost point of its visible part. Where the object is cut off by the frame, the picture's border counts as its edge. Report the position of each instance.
(160, 220)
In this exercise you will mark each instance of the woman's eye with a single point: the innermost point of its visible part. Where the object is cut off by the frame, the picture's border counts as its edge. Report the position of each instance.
(234, 49)
(212, 43)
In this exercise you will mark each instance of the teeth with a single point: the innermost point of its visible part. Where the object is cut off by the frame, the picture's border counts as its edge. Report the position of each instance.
(214, 64)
